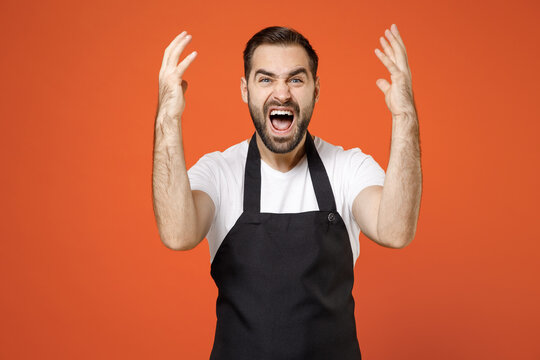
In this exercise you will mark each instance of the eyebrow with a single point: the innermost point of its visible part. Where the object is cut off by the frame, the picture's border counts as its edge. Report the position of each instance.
(301, 70)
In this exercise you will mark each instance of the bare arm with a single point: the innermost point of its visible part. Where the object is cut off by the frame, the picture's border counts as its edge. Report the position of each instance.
(183, 216)
(389, 215)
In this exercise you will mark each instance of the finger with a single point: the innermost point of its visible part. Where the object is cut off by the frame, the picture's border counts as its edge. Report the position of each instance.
(390, 65)
(387, 49)
(383, 85)
(166, 55)
(401, 61)
(177, 50)
(184, 64)
(397, 35)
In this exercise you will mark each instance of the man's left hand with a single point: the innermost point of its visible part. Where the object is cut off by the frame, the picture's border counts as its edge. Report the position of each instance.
(398, 95)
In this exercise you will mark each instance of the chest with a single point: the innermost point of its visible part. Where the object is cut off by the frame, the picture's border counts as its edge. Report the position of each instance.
(290, 192)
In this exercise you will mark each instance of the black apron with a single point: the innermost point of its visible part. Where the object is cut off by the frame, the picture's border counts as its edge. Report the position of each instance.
(285, 280)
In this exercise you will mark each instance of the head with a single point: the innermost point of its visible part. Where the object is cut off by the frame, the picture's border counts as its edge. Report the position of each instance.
(280, 86)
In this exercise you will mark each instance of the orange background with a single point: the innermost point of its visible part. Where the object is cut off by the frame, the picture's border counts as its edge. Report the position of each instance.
(83, 272)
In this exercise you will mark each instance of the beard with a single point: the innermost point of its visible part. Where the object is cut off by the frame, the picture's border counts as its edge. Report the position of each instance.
(280, 144)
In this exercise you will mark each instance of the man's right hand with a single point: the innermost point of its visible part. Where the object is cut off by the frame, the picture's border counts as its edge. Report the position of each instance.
(171, 102)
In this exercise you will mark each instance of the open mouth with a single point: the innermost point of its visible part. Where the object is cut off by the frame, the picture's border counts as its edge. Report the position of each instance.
(281, 120)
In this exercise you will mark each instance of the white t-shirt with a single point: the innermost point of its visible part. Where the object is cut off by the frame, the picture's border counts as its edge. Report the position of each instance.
(221, 176)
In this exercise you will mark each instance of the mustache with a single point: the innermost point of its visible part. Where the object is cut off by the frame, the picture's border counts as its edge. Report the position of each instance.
(289, 103)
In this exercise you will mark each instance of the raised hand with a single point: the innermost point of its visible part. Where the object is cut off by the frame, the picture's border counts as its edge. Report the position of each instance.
(171, 101)
(398, 95)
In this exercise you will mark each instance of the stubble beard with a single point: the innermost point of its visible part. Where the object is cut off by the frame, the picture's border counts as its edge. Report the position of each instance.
(277, 144)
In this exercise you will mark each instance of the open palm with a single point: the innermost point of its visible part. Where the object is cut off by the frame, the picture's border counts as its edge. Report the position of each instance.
(398, 95)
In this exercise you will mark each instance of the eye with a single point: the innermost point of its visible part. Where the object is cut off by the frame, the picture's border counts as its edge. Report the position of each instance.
(296, 80)
(264, 80)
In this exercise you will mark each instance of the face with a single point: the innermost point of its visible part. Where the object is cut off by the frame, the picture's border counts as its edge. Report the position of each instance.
(281, 94)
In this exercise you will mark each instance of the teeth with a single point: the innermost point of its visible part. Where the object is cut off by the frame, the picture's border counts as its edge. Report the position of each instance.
(281, 112)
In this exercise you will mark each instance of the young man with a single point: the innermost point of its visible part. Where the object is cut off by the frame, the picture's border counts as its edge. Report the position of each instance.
(283, 211)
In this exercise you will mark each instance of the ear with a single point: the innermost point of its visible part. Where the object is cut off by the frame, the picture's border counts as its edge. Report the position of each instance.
(243, 89)
(317, 89)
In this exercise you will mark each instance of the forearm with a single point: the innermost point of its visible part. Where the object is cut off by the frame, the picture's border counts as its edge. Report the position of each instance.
(400, 199)
(173, 202)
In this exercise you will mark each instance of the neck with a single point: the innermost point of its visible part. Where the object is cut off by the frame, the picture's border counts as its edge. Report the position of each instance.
(282, 162)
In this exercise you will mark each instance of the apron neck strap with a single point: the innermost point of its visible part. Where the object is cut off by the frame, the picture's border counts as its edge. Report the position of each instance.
(319, 177)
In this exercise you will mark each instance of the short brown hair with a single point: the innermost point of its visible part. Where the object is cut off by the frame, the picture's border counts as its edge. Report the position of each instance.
(278, 35)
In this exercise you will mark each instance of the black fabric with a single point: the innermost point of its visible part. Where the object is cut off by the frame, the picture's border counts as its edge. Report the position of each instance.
(285, 280)
(319, 177)
(252, 176)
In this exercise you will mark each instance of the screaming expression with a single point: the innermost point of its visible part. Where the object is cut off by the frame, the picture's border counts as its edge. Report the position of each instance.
(281, 126)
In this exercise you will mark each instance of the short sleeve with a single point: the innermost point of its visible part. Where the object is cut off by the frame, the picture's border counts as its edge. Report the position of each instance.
(362, 171)
(202, 177)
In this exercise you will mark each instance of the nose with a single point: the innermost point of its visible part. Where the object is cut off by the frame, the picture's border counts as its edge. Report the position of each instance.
(281, 91)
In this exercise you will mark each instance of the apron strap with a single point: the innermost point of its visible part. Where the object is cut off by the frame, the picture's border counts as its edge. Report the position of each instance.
(252, 178)
(319, 177)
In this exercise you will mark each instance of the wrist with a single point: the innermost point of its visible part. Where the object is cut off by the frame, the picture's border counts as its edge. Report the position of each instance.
(405, 126)
(406, 116)
(164, 119)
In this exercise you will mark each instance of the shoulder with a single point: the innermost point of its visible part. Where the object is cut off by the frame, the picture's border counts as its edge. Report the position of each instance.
(219, 173)
(335, 155)
(232, 157)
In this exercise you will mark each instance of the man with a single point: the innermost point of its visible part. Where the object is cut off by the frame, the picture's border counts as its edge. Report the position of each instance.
(283, 211)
